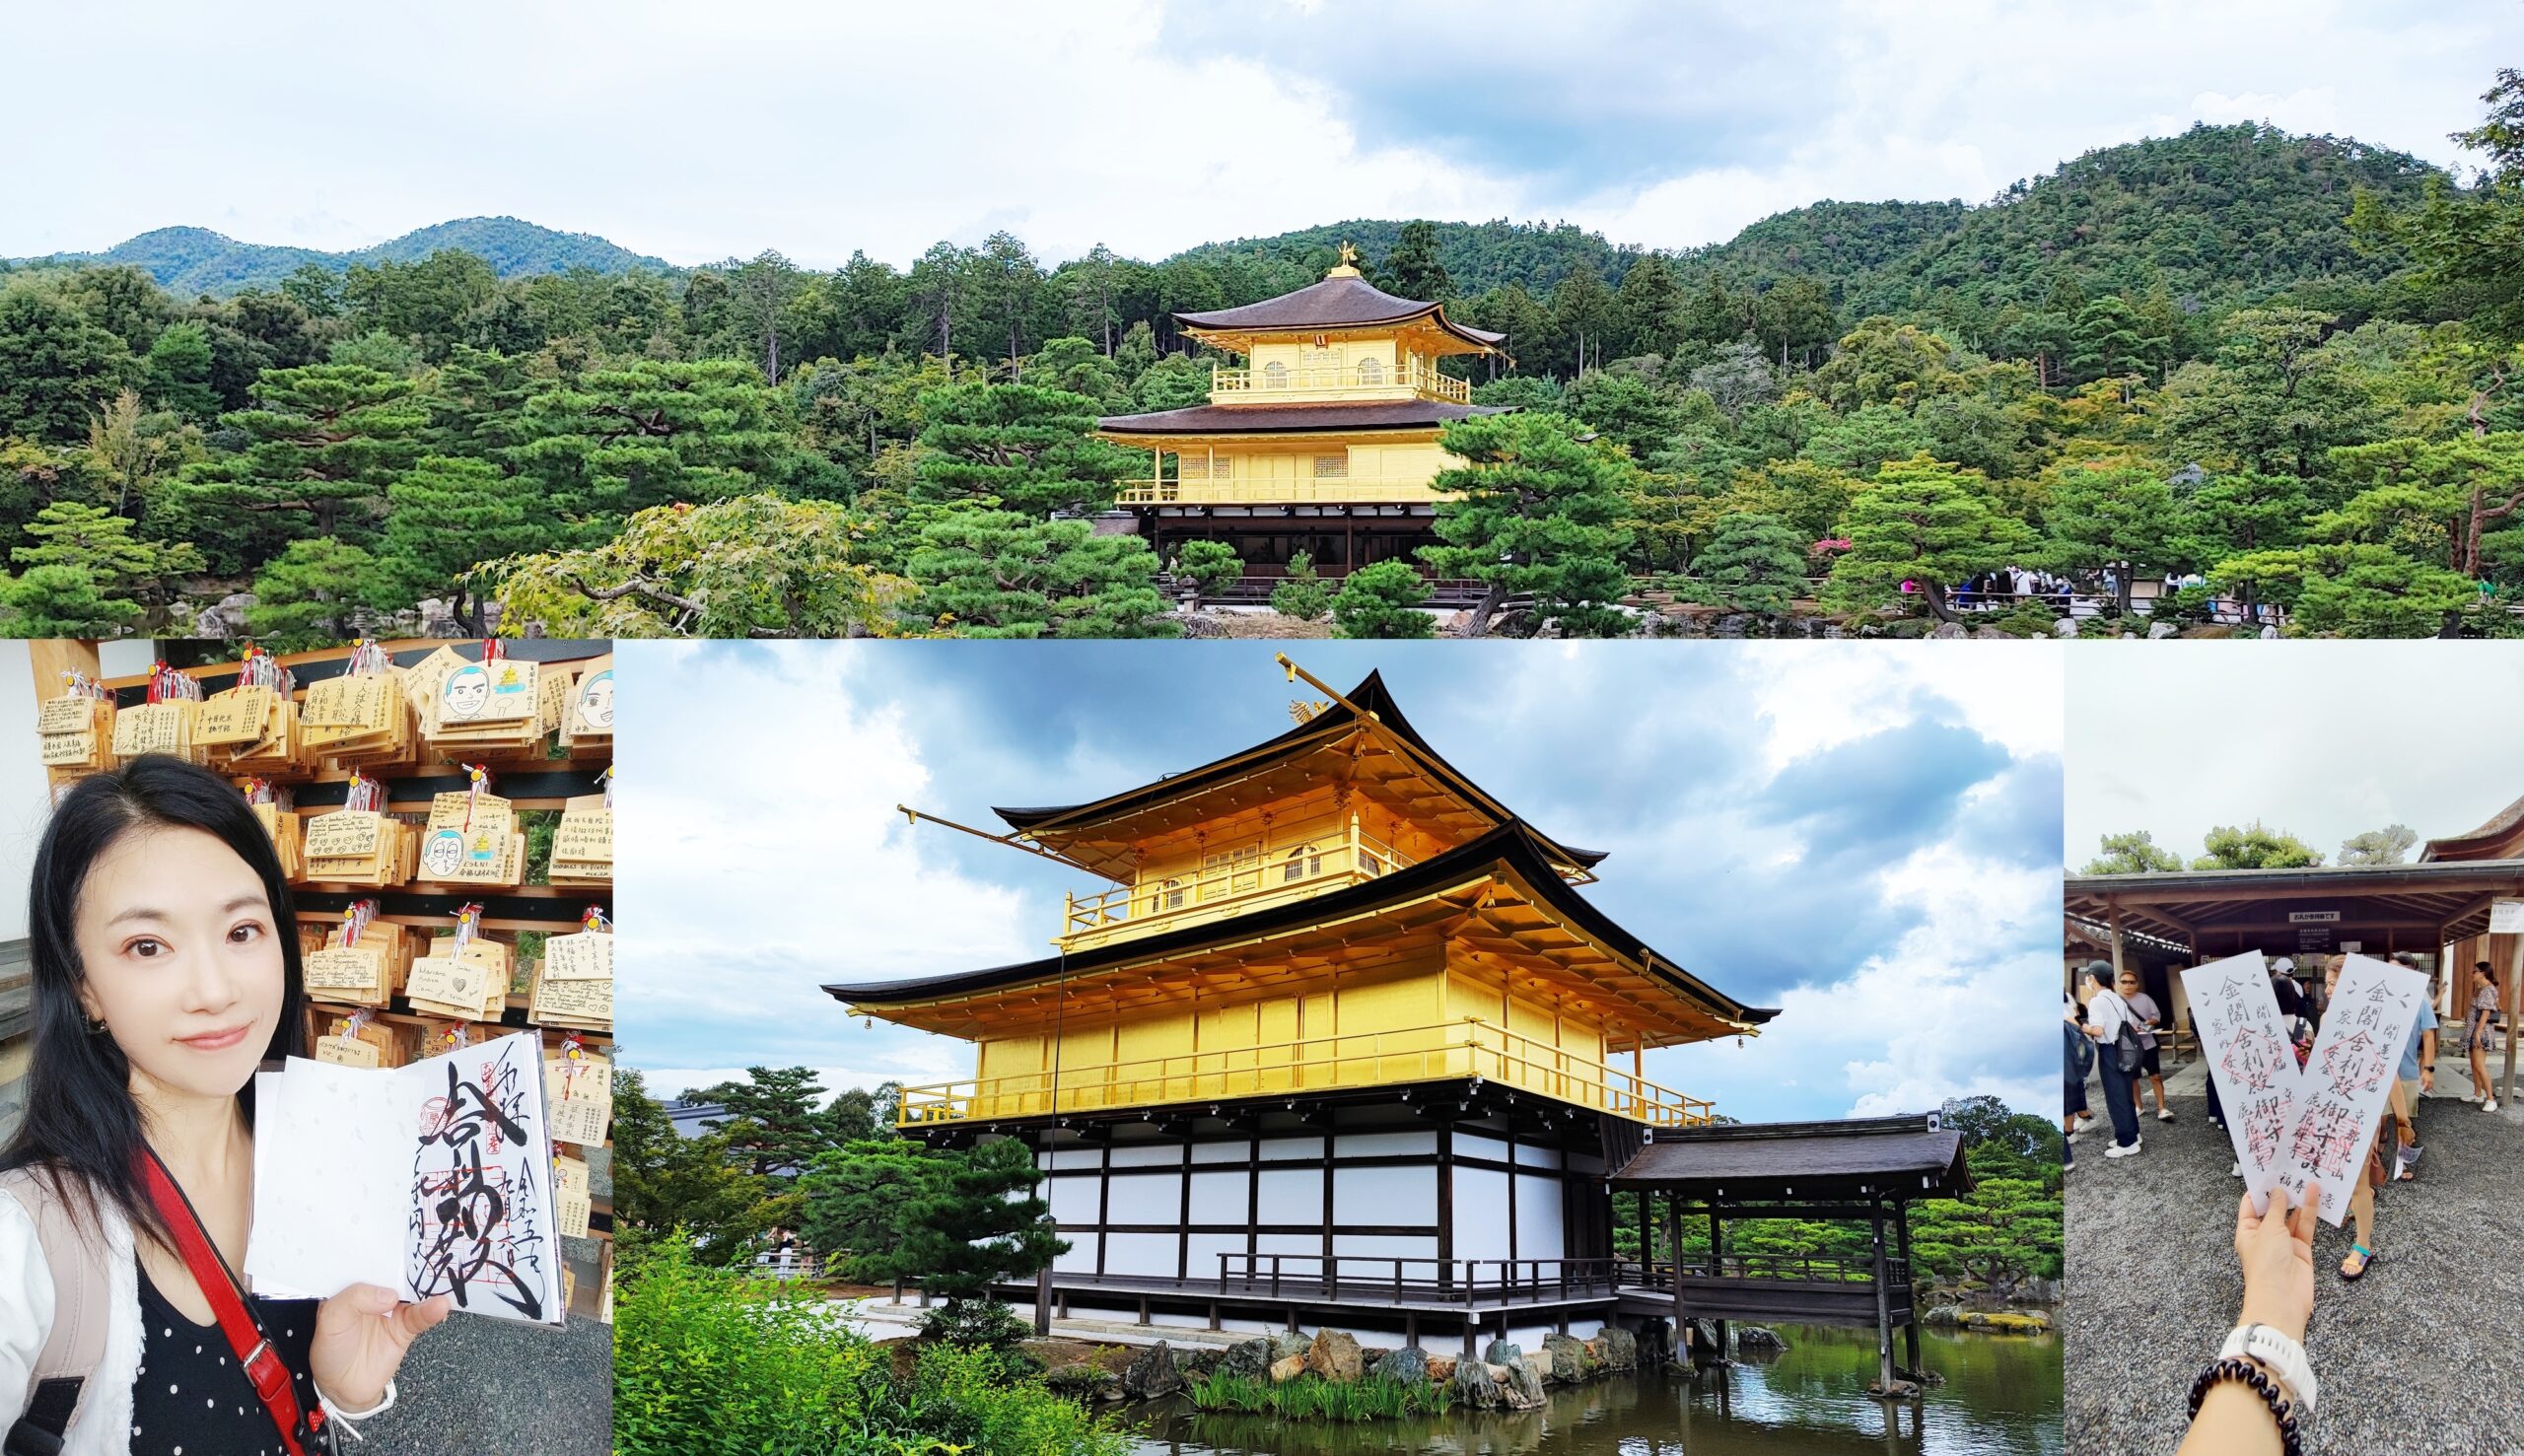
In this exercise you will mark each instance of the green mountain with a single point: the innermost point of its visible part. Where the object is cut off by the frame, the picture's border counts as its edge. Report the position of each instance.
(2215, 213)
(188, 261)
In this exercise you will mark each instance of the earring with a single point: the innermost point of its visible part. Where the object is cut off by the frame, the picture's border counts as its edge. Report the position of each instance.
(96, 1025)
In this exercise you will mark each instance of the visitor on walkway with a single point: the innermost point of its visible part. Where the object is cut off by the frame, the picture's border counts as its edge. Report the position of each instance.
(2076, 1059)
(2251, 1398)
(2417, 1078)
(2107, 1018)
(2143, 1006)
(2484, 1006)
(2369, 1171)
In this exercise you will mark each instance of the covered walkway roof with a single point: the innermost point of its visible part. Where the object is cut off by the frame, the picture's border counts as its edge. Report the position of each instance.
(2383, 907)
(1818, 1162)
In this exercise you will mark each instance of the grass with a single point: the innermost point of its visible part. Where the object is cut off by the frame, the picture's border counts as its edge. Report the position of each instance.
(1311, 1396)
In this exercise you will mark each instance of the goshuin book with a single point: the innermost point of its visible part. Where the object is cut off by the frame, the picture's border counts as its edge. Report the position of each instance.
(432, 1178)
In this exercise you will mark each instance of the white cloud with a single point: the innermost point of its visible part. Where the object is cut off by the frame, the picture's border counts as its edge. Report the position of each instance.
(1946, 1011)
(761, 849)
(699, 132)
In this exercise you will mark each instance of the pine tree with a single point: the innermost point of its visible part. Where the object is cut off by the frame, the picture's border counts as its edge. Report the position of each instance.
(446, 516)
(774, 1125)
(1382, 600)
(99, 544)
(65, 601)
(1533, 512)
(2135, 852)
(1029, 448)
(1000, 574)
(1753, 564)
(323, 442)
(1413, 270)
(1928, 523)
(1301, 593)
(982, 1224)
(312, 593)
(178, 370)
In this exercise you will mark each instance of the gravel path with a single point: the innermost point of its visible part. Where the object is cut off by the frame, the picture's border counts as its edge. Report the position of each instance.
(2416, 1357)
(480, 1384)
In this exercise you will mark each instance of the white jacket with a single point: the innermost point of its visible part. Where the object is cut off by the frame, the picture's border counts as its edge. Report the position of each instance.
(102, 1424)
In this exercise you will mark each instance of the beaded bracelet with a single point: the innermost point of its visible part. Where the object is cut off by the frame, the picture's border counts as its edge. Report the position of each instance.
(2253, 1375)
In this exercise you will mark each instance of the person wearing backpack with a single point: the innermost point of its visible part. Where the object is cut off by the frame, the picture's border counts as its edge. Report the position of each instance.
(165, 969)
(2077, 1060)
(2114, 1027)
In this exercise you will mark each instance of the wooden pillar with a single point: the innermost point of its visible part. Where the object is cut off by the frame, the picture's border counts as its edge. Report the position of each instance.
(51, 657)
(2514, 979)
(1718, 1269)
(1909, 1283)
(1674, 1242)
(1042, 1299)
(2116, 943)
(1883, 1296)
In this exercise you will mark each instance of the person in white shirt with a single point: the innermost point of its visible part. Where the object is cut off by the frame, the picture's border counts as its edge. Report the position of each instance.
(2106, 1015)
(2151, 1069)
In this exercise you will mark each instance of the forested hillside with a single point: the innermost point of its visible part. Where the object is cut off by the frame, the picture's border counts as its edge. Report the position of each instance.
(189, 262)
(2279, 363)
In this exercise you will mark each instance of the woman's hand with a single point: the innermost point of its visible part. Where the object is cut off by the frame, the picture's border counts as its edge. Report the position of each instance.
(361, 1334)
(2277, 1254)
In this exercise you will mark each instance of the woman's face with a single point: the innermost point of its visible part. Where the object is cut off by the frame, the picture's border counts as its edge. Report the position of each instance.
(182, 959)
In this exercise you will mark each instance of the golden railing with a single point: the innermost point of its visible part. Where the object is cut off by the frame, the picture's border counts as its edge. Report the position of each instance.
(1446, 1051)
(1314, 490)
(1279, 874)
(1413, 379)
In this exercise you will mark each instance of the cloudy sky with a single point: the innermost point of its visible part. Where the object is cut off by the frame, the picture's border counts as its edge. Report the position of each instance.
(699, 132)
(2324, 740)
(1867, 840)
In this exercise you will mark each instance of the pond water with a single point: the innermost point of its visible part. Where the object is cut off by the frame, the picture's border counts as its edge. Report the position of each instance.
(2002, 1398)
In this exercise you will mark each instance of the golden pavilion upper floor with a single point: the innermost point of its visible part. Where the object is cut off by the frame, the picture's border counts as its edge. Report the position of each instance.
(1332, 910)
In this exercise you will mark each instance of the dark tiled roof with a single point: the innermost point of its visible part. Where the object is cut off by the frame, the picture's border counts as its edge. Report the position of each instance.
(1370, 694)
(1901, 1157)
(1236, 419)
(1334, 303)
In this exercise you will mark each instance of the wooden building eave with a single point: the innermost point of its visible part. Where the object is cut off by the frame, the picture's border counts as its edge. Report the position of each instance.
(1498, 902)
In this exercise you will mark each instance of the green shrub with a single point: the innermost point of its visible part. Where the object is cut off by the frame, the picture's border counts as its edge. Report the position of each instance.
(1302, 596)
(711, 1361)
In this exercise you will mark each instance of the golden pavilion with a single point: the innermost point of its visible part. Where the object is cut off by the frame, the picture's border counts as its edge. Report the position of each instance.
(1341, 1035)
(1324, 442)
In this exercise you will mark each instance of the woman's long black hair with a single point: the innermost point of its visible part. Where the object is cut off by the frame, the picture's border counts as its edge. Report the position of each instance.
(82, 1126)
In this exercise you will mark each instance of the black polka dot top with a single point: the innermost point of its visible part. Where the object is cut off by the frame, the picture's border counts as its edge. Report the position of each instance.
(191, 1394)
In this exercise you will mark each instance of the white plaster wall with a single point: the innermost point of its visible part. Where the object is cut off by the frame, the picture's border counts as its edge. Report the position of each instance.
(1353, 1247)
(1530, 1157)
(1480, 1213)
(1219, 1152)
(1146, 1197)
(1474, 1144)
(1538, 1231)
(1221, 1198)
(1148, 1157)
(1284, 1148)
(1071, 1158)
(1384, 1196)
(1081, 1257)
(1291, 1195)
(1206, 1249)
(1141, 1253)
(1385, 1144)
(1073, 1200)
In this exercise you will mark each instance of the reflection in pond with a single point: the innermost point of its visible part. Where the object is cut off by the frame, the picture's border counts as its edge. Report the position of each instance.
(2002, 1398)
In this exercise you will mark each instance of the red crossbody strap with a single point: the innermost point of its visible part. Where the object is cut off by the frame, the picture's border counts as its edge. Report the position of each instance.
(263, 1364)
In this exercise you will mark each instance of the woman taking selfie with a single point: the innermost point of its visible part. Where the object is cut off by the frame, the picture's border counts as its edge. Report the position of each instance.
(166, 970)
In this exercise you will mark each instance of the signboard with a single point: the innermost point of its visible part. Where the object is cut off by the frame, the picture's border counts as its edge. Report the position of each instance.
(2506, 918)
(2313, 917)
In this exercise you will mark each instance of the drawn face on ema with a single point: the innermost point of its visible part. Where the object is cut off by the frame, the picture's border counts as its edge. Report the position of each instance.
(444, 853)
(179, 956)
(596, 700)
(467, 689)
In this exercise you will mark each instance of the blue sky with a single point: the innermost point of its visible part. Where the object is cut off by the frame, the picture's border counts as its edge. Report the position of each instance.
(1868, 839)
(699, 132)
